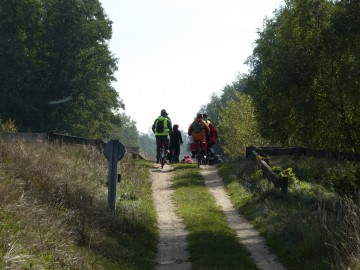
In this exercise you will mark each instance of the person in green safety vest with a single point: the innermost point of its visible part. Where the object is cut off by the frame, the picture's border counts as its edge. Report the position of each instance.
(162, 128)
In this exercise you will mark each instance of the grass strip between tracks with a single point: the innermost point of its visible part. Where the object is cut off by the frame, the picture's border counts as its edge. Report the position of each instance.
(212, 243)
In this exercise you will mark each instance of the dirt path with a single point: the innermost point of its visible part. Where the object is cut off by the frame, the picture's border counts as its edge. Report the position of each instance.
(172, 247)
(244, 230)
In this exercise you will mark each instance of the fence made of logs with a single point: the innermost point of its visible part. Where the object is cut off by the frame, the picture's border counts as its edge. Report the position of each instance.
(259, 154)
(277, 180)
(62, 138)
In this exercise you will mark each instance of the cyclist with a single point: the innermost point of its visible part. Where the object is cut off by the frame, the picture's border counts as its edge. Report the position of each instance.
(175, 141)
(162, 128)
(199, 131)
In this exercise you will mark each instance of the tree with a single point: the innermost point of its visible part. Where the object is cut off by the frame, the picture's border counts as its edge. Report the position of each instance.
(147, 144)
(215, 107)
(304, 75)
(124, 130)
(20, 29)
(239, 126)
(63, 79)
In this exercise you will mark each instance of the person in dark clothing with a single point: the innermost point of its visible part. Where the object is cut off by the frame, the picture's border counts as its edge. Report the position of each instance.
(175, 142)
(162, 128)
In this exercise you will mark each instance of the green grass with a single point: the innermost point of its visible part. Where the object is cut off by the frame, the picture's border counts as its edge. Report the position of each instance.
(306, 229)
(212, 244)
(54, 213)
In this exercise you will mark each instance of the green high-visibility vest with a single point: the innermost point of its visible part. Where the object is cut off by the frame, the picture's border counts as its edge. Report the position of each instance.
(166, 127)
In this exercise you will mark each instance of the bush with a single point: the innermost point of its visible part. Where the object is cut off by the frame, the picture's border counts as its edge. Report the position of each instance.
(7, 126)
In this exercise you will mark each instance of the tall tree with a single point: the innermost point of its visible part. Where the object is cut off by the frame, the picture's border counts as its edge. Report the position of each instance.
(239, 126)
(304, 75)
(20, 30)
(68, 67)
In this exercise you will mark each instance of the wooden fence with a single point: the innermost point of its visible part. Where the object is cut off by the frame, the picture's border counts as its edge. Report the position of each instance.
(303, 151)
(277, 180)
(260, 153)
(61, 138)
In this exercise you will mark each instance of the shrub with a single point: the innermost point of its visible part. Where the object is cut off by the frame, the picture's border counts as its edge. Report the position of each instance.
(7, 126)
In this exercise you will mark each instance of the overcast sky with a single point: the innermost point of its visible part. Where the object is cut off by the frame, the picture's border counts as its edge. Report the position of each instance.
(174, 54)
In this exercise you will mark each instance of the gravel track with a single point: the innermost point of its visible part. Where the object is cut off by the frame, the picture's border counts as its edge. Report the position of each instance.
(172, 247)
(247, 235)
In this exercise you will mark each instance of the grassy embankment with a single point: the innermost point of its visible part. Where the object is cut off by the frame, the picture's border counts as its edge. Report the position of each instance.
(212, 244)
(317, 225)
(53, 210)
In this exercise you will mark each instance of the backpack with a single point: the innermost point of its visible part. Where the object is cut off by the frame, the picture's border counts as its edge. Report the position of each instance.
(197, 127)
(160, 126)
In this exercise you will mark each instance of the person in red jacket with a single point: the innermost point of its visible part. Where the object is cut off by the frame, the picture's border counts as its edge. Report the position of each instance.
(212, 130)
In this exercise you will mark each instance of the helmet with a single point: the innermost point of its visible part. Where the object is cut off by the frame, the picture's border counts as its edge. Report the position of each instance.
(164, 112)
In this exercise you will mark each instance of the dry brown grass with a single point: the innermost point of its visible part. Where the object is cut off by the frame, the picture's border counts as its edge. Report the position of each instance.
(53, 208)
(344, 242)
(47, 196)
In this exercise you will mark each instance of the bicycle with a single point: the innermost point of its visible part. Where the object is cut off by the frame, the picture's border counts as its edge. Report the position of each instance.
(163, 154)
(199, 155)
(209, 157)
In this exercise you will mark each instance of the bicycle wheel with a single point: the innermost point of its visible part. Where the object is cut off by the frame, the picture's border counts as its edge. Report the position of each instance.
(207, 158)
(198, 154)
(162, 161)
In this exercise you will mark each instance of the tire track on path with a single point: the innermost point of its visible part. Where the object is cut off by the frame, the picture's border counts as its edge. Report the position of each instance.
(172, 247)
(248, 236)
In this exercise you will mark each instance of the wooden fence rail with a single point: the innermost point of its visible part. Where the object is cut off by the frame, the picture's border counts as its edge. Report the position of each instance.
(29, 137)
(277, 180)
(303, 151)
(56, 137)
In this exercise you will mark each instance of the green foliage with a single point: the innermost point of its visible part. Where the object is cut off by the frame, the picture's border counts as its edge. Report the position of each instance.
(147, 144)
(56, 68)
(311, 228)
(7, 126)
(304, 75)
(239, 126)
(341, 177)
(124, 129)
(217, 103)
(303, 80)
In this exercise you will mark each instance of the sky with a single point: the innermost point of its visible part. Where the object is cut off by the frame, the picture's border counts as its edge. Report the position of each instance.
(176, 54)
